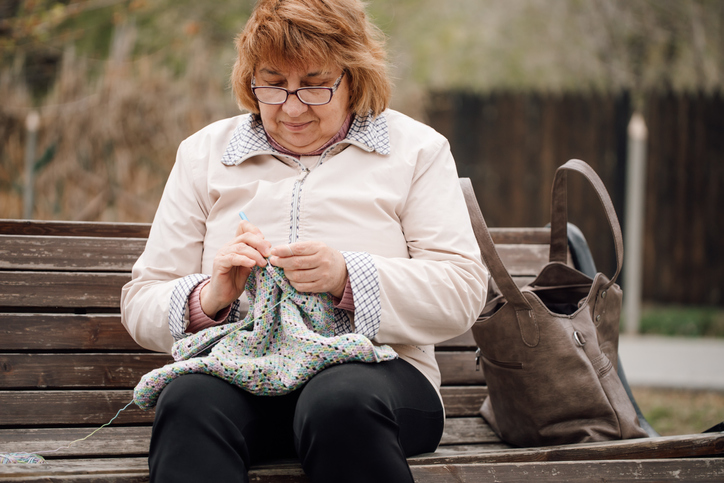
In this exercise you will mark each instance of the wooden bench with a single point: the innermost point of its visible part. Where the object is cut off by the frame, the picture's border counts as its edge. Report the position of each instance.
(67, 366)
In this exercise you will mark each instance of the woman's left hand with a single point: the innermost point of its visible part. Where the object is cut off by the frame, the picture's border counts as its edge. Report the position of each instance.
(312, 266)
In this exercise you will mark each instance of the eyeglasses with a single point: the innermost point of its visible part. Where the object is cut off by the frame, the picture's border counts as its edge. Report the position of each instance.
(311, 96)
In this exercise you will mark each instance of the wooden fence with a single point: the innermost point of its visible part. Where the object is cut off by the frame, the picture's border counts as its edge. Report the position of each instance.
(510, 144)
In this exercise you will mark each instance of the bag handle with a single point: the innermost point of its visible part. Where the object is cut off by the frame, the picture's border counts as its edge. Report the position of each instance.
(490, 255)
(559, 213)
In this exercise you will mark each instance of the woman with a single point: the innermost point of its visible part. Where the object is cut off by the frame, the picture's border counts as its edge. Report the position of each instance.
(348, 198)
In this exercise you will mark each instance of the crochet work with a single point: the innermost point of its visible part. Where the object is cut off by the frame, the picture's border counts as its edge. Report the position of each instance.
(285, 339)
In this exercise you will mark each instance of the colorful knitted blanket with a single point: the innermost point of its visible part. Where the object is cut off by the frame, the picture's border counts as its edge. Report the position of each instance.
(284, 340)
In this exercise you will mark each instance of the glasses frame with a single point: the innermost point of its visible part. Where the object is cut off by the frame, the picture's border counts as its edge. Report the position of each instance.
(331, 90)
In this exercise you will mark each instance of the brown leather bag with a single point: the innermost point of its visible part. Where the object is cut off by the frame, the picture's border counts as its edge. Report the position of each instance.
(549, 350)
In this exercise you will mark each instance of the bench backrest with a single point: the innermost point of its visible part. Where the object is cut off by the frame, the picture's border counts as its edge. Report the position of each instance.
(65, 358)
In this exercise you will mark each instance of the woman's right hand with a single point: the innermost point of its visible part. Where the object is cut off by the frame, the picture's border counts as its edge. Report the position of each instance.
(232, 266)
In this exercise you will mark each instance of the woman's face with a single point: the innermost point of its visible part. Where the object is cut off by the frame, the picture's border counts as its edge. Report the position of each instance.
(295, 125)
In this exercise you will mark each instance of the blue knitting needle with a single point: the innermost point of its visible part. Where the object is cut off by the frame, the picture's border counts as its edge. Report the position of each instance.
(243, 217)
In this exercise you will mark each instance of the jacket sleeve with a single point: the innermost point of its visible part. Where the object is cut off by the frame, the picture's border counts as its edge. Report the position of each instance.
(440, 290)
(154, 303)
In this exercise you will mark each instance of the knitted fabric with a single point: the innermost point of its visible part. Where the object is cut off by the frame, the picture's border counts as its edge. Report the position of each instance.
(285, 339)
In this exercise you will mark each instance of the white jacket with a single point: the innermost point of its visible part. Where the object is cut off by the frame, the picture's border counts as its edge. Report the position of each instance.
(387, 197)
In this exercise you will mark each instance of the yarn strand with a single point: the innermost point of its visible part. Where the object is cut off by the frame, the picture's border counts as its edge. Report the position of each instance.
(36, 458)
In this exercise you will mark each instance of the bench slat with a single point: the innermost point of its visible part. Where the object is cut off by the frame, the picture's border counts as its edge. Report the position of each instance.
(458, 368)
(520, 235)
(460, 401)
(515, 235)
(40, 253)
(127, 441)
(53, 371)
(60, 332)
(58, 289)
(23, 331)
(135, 470)
(683, 446)
(523, 260)
(709, 469)
(106, 470)
(96, 407)
(134, 440)
(74, 289)
(69, 253)
(461, 342)
(110, 441)
(74, 228)
(57, 371)
(55, 408)
(467, 431)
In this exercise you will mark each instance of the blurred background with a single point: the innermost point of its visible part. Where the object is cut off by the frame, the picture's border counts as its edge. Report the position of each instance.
(96, 95)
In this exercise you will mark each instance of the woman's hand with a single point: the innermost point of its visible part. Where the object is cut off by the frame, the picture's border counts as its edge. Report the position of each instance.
(312, 266)
(232, 266)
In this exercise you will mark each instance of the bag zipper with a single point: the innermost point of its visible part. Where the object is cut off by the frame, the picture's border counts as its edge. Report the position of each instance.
(503, 364)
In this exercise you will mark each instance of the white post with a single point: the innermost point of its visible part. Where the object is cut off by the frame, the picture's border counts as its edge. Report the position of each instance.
(32, 123)
(633, 234)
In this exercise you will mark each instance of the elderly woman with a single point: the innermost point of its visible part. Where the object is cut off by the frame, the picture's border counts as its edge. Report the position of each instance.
(349, 198)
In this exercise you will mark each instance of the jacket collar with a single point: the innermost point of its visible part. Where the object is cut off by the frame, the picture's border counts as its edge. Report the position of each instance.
(249, 139)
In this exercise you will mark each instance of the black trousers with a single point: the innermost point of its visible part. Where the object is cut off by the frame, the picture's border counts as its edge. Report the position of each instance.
(350, 423)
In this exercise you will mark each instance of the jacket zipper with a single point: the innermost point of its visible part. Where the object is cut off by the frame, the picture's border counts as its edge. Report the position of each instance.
(297, 193)
(295, 205)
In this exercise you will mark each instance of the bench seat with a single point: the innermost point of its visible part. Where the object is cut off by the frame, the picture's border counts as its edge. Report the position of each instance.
(67, 366)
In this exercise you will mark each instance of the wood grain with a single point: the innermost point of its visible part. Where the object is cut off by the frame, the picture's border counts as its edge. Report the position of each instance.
(135, 470)
(73, 408)
(62, 253)
(462, 401)
(134, 440)
(458, 368)
(67, 371)
(59, 289)
(74, 228)
(63, 332)
(38, 408)
(711, 469)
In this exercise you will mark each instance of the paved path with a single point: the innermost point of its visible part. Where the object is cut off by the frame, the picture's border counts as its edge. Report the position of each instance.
(655, 361)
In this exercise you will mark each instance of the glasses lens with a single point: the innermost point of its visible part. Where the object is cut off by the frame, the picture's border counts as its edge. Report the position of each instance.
(270, 95)
(315, 95)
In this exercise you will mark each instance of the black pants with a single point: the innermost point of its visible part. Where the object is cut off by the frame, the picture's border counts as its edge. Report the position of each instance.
(350, 423)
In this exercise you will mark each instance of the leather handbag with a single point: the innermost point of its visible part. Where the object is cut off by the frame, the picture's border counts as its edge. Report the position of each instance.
(549, 349)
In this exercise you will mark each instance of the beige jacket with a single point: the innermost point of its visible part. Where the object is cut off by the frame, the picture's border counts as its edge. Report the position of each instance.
(387, 196)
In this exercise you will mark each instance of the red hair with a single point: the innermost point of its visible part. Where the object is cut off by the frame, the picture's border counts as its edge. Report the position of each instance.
(298, 34)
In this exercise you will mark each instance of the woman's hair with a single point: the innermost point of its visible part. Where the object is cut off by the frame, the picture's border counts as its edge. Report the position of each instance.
(298, 34)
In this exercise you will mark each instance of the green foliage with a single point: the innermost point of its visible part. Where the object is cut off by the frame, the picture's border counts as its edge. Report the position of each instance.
(672, 412)
(566, 45)
(683, 321)
(39, 32)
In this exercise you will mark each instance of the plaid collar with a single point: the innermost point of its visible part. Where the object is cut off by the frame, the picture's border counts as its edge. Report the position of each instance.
(249, 139)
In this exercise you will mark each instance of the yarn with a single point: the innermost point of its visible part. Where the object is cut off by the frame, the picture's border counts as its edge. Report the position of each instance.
(286, 338)
(35, 458)
(20, 458)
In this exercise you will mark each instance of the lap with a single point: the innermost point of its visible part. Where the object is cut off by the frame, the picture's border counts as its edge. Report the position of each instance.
(395, 388)
(348, 396)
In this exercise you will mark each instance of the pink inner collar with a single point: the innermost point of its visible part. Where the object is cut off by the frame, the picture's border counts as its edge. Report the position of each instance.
(341, 134)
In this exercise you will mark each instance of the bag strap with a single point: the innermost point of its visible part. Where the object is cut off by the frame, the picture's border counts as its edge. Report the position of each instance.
(490, 255)
(559, 213)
